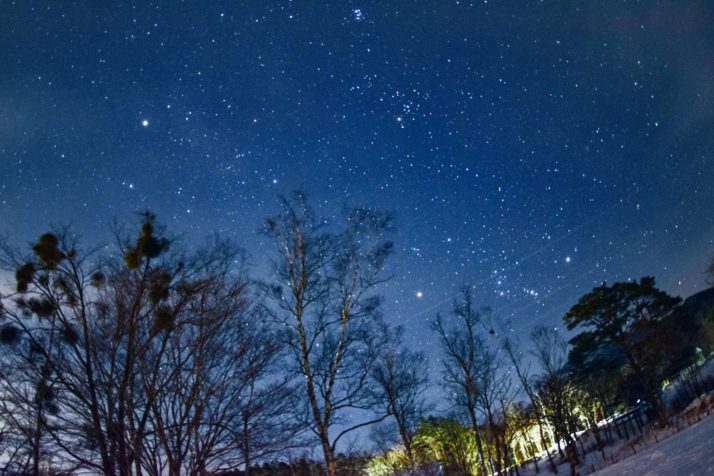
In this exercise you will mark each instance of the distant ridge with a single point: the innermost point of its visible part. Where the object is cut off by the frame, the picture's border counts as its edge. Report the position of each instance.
(699, 303)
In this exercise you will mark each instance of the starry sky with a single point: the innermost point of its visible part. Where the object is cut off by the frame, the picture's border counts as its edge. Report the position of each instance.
(532, 149)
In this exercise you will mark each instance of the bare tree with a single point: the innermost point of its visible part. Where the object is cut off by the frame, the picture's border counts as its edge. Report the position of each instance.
(401, 377)
(323, 298)
(525, 377)
(557, 394)
(221, 386)
(495, 395)
(156, 363)
(27, 400)
(50, 315)
(464, 352)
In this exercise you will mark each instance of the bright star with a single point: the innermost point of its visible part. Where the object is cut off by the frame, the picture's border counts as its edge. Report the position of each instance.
(145, 123)
(419, 294)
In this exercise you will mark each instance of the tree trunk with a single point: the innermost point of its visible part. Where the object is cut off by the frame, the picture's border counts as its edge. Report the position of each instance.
(36, 444)
(544, 441)
(496, 442)
(329, 456)
(572, 458)
(479, 444)
(245, 445)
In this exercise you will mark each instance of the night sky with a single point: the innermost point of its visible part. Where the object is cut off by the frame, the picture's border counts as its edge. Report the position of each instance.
(533, 149)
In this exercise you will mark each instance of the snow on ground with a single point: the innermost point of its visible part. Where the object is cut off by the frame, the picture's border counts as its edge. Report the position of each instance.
(686, 453)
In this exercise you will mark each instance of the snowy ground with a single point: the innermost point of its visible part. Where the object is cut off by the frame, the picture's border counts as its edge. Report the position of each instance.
(686, 453)
(681, 449)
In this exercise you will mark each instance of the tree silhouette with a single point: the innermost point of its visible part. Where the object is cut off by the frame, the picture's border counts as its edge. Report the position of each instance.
(144, 360)
(401, 379)
(466, 361)
(323, 299)
(524, 376)
(628, 315)
(556, 394)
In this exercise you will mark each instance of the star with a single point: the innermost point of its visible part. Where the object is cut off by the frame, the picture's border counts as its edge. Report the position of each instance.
(145, 123)
(419, 294)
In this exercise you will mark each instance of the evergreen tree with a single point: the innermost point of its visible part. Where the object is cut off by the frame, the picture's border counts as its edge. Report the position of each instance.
(628, 315)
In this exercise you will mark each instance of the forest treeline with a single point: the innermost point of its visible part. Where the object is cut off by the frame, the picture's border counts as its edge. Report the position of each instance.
(144, 358)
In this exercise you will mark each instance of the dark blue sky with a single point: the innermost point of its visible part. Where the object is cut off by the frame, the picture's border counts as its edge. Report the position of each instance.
(531, 148)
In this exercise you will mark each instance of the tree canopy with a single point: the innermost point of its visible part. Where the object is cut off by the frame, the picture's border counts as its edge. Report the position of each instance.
(631, 316)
